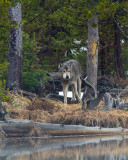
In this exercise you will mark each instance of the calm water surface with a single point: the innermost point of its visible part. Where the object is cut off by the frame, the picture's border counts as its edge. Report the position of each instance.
(80, 148)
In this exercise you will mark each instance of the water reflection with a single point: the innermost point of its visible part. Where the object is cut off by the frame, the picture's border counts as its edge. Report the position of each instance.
(82, 148)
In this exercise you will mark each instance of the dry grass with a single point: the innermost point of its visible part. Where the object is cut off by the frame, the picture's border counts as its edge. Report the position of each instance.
(49, 111)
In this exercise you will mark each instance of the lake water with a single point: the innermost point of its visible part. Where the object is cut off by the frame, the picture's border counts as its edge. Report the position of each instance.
(79, 148)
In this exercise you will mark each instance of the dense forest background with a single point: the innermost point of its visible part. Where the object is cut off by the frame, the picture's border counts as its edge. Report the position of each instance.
(57, 30)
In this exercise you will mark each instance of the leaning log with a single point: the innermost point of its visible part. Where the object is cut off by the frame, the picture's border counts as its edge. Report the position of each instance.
(26, 128)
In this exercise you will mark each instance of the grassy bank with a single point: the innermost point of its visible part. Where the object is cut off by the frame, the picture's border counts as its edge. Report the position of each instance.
(51, 111)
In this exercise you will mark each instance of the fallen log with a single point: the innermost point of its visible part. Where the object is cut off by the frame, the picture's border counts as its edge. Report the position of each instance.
(16, 128)
(27, 94)
(25, 128)
(68, 130)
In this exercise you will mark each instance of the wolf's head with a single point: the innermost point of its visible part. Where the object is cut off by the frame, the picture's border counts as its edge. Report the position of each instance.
(65, 71)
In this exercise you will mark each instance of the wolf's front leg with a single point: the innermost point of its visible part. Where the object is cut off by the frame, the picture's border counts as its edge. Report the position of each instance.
(65, 91)
(73, 93)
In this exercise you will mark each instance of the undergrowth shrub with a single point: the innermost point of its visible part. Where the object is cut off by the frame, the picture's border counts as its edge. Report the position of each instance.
(31, 80)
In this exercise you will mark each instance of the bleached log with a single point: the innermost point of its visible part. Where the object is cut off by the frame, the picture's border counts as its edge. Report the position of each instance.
(25, 128)
(16, 128)
(66, 130)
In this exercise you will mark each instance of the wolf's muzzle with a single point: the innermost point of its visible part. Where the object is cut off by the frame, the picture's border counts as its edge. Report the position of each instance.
(67, 77)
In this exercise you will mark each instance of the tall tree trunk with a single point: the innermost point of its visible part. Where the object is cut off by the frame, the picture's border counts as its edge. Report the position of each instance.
(92, 52)
(117, 53)
(102, 57)
(15, 50)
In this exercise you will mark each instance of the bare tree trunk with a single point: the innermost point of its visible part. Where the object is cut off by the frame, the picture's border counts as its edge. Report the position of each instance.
(15, 50)
(117, 53)
(102, 56)
(92, 53)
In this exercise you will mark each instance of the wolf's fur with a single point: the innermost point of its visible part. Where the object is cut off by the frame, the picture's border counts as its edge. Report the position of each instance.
(70, 74)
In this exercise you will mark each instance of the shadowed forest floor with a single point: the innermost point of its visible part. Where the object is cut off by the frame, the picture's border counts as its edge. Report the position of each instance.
(52, 111)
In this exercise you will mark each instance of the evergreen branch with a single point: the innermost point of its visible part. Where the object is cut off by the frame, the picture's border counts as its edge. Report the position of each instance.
(34, 18)
(120, 28)
(125, 10)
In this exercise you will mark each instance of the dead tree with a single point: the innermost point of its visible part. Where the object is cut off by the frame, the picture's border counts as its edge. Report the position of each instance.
(15, 49)
(92, 53)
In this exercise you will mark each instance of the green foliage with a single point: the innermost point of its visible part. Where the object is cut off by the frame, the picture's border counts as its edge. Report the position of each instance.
(3, 72)
(125, 55)
(30, 51)
(81, 57)
(4, 95)
(4, 29)
(31, 67)
(106, 9)
(3, 92)
(55, 25)
(31, 80)
(58, 23)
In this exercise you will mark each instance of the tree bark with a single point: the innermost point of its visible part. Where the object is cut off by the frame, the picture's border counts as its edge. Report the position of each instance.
(15, 50)
(92, 52)
(102, 59)
(117, 53)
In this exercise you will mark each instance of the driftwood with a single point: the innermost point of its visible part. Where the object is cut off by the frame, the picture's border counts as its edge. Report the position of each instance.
(92, 103)
(87, 85)
(110, 103)
(25, 128)
(57, 97)
(3, 112)
(65, 130)
(16, 128)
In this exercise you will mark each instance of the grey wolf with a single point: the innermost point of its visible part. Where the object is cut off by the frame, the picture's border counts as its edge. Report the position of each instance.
(70, 73)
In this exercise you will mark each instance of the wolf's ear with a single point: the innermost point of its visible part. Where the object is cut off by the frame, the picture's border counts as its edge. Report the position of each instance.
(60, 65)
